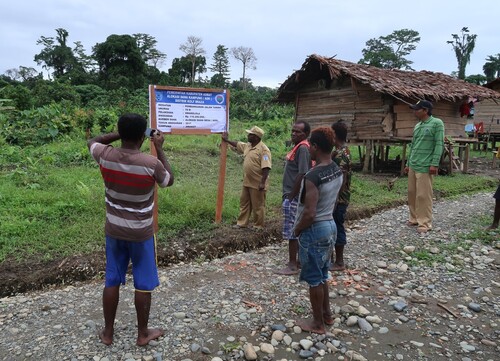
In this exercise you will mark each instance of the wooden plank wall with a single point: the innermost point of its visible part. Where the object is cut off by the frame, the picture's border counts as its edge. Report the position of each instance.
(360, 107)
(448, 112)
(369, 114)
(488, 112)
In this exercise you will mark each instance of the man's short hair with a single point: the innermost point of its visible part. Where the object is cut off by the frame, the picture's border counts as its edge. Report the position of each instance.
(307, 127)
(340, 129)
(132, 126)
(323, 138)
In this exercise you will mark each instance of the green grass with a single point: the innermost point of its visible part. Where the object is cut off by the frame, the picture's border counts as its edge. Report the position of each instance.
(52, 197)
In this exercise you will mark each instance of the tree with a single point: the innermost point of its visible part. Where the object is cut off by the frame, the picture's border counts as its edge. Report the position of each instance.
(120, 62)
(247, 58)
(23, 74)
(86, 62)
(463, 45)
(193, 50)
(56, 54)
(492, 67)
(478, 79)
(147, 47)
(220, 67)
(181, 71)
(390, 51)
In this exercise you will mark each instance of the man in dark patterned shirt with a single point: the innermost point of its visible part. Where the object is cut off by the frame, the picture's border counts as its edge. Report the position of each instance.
(342, 156)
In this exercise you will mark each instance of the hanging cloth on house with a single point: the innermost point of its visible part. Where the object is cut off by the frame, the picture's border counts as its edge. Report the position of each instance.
(464, 109)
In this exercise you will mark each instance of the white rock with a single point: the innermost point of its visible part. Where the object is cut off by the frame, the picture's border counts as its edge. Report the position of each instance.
(362, 311)
(352, 321)
(306, 344)
(409, 249)
(249, 352)
(278, 335)
(374, 319)
(267, 348)
(287, 340)
(352, 355)
(418, 344)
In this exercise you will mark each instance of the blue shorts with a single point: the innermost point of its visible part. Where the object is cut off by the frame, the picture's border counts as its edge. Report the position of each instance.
(289, 210)
(143, 256)
(315, 248)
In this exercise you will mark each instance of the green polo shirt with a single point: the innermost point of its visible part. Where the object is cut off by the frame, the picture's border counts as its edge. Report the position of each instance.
(427, 145)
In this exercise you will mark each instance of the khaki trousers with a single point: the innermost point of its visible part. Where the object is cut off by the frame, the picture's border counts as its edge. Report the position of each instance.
(420, 198)
(252, 201)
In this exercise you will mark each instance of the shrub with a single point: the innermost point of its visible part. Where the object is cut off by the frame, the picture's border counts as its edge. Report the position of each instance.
(37, 126)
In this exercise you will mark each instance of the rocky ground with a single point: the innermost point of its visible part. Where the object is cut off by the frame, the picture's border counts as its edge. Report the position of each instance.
(404, 296)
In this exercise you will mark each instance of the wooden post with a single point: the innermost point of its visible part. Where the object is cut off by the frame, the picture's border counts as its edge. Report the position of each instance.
(450, 156)
(368, 151)
(372, 156)
(403, 160)
(222, 178)
(466, 158)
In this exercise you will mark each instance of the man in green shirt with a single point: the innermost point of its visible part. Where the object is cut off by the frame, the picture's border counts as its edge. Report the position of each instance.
(423, 163)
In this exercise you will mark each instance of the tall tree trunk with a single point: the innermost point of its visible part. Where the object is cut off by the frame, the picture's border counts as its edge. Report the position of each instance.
(244, 82)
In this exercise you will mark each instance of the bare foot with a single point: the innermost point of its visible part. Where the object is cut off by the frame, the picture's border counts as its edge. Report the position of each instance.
(328, 319)
(153, 334)
(310, 326)
(106, 339)
(493, 226)
(288, 271)
(337, 267)
(422, 229)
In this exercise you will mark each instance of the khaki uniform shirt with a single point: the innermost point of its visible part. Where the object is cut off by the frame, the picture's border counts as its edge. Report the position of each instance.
(256, 159)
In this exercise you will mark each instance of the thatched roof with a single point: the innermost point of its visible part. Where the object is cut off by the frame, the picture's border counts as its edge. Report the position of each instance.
(494, 84)
(413, 85)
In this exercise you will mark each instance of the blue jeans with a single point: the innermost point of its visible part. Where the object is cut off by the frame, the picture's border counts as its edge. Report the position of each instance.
(315, 247)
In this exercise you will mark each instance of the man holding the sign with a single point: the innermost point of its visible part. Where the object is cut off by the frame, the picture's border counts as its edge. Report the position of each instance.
(256, 167)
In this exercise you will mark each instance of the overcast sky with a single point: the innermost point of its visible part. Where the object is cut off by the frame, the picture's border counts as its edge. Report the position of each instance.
(281, 33)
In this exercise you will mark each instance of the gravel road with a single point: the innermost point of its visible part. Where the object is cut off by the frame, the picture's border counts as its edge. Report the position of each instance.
(404, 296)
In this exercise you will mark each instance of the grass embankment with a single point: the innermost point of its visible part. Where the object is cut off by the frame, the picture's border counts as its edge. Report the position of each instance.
(51, 197)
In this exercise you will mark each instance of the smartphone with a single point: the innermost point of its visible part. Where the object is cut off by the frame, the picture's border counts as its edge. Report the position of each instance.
(149, 132)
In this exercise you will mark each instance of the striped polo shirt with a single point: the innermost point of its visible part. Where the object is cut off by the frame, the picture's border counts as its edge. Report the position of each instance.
(129, 179)
(427, 145)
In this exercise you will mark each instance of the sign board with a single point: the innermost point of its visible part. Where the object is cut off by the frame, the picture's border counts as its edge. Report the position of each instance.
(191, 111)
(194, 110)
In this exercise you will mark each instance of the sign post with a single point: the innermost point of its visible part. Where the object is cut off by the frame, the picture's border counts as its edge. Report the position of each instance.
(192, 111)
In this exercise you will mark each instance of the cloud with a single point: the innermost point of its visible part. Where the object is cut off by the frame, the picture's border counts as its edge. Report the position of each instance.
(282, 34)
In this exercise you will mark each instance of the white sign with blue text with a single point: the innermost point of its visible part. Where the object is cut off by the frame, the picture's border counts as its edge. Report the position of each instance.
(186, 109)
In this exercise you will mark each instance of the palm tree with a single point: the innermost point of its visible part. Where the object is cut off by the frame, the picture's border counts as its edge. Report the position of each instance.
(463, 46)
(492, 67)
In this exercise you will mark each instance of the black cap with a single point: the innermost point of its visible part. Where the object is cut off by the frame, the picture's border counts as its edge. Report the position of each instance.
(422, 104)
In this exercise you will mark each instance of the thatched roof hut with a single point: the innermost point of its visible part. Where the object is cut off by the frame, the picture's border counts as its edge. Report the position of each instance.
(488, 112)
(374, 101)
